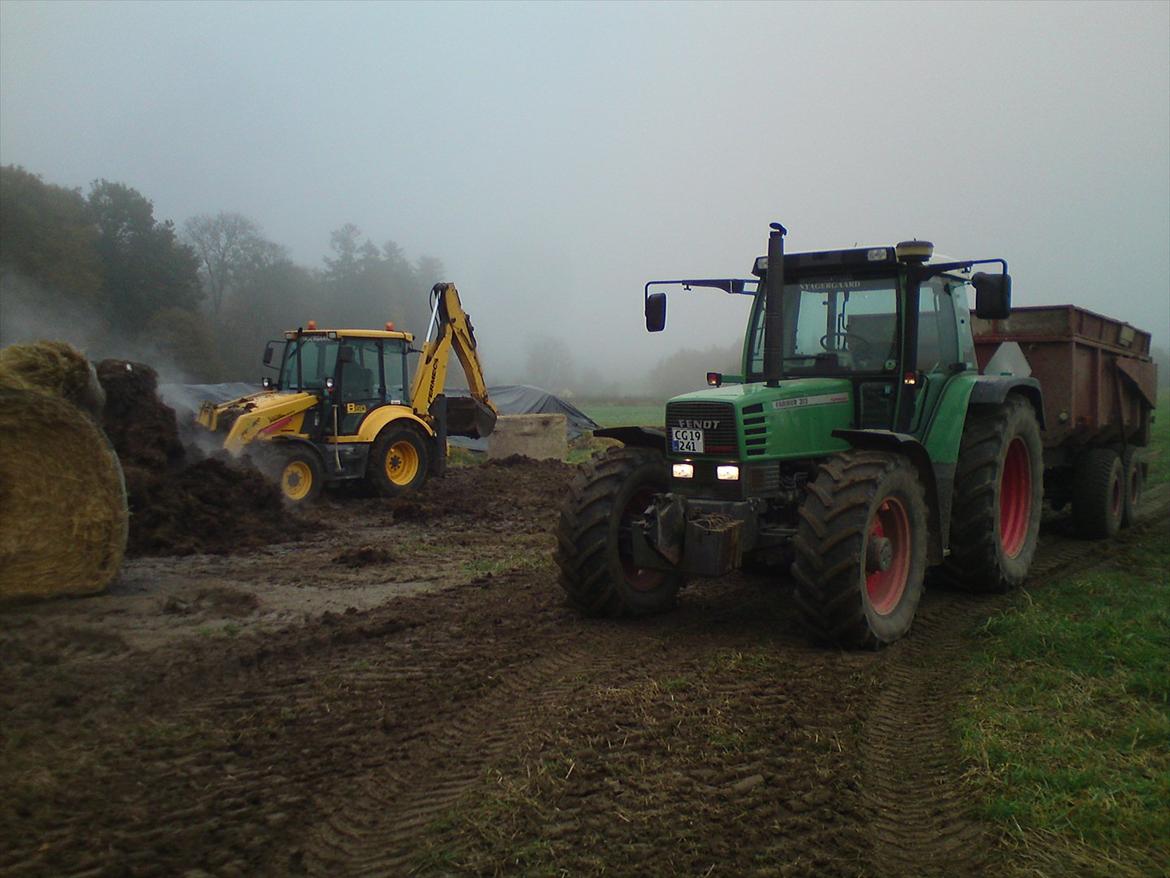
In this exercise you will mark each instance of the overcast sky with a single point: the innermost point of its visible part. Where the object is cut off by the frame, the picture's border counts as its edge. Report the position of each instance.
(556, 156)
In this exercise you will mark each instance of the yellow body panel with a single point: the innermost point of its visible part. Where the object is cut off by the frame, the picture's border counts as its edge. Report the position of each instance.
(373, 423)
(271, 415)
(353, 333)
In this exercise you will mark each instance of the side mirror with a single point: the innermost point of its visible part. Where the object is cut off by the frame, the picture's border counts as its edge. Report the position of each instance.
(656, 312)
(269, 353)
(345, 354)
(993, 295)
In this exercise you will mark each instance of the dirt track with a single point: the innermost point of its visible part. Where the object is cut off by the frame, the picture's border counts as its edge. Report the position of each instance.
(405, 690)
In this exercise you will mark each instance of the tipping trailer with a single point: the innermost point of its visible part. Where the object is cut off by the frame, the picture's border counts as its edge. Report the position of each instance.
(1100, 389)
(871, 435)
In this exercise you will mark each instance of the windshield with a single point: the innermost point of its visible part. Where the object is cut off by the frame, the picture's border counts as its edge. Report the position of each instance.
(317, 356)
(833, 325)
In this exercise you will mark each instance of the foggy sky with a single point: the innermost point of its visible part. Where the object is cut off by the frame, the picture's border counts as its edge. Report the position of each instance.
(558, 156)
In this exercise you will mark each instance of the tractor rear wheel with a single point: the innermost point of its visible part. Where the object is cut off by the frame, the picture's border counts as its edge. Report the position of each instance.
(1098, 493)
(593, 537)
(398, 461)
(861, 550)
(999, 490)
(1133, 466)
(301, 475)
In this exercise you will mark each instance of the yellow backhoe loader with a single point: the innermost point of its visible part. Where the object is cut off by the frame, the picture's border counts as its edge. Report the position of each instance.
(343, 407)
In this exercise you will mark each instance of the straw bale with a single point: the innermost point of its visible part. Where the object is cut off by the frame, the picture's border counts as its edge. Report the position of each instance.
(63, 514)
(53, 367)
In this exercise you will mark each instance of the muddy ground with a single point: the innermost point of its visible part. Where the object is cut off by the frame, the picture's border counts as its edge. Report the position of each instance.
(403, 690)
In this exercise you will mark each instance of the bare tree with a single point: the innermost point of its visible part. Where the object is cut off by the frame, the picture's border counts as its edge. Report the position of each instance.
(229, 245)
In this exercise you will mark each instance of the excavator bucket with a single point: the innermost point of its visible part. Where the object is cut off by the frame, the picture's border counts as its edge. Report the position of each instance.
(469, 417)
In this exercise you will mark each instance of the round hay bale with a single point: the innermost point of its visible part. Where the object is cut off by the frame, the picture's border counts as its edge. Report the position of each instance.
(53, 367)
(63, 515)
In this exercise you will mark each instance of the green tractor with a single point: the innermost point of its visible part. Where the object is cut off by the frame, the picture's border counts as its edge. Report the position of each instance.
(860, 445)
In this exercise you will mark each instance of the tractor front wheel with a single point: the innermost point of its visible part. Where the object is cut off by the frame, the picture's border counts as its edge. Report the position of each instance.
(861, 550)
(398, 461)
(594, 551)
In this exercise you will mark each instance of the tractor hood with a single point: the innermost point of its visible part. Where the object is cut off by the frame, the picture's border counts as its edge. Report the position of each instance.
(793, 420)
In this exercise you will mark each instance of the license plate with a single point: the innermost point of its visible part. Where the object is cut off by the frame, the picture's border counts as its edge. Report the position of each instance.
(686, 439)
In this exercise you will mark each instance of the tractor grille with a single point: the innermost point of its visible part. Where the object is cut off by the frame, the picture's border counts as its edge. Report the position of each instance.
(755, 430)
(716, 419)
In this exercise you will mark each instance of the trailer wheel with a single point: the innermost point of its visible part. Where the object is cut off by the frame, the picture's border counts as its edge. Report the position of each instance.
(1133, 466)
(999, 490)
(1098, 493)
(593, 537)
(301, 475)
(861, 550)
(398, 461)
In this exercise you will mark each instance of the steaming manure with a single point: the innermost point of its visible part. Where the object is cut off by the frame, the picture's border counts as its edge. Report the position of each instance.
(179, 506)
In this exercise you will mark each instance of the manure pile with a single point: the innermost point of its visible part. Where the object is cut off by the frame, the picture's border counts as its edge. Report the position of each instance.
(177, 506)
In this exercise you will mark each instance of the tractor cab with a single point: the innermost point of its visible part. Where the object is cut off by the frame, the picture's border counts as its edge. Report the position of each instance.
(878, 317)
(356, 370)
(889, 326)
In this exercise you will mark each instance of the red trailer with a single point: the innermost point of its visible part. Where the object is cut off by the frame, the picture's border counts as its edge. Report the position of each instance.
(1099, 386)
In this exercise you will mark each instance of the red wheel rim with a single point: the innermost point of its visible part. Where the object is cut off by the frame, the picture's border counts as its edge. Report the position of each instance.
(639, 578)
(885, 587)
(1134, 485)
(1015, 498)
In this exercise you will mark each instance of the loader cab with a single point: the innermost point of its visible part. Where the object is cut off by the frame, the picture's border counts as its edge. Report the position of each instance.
(354, 371)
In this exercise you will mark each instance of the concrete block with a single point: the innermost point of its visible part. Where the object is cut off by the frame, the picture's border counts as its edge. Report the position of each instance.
(540, 436)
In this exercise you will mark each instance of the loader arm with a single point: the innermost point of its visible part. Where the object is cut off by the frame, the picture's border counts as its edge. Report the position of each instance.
(452, 328)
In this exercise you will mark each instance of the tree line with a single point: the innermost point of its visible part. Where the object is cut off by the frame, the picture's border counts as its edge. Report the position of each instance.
(100, 270)
(198, 301)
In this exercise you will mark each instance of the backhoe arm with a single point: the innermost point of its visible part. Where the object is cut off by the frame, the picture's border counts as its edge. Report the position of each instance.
(452, 328)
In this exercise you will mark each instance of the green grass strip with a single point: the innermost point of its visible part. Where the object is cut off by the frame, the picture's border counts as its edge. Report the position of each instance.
(1070, 726)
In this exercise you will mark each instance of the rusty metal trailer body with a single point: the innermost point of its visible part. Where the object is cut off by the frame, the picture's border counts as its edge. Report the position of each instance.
(1099, 387)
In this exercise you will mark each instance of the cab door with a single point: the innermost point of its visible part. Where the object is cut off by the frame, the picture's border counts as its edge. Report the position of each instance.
(937, 349)
(361, 381)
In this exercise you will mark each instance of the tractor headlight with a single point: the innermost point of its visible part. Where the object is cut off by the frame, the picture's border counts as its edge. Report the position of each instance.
(727, 473)
(683, 470)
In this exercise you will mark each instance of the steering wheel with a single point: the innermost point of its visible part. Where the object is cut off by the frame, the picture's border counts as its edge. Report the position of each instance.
(856, 344)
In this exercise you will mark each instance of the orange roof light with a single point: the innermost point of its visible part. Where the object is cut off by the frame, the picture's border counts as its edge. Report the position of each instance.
(312, 324)
(389, 325)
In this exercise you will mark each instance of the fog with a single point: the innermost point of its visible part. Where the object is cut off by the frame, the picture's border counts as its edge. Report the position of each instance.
(555, 157)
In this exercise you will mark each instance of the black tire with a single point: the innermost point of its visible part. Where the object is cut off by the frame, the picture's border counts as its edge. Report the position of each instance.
(299, 474)
(399, 461)
(593, 551)
(845, 594)
(1098, 493)
(998, 497)
(1133, 467)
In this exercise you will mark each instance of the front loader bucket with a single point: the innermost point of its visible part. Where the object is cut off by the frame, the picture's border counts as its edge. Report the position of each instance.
(469, 417)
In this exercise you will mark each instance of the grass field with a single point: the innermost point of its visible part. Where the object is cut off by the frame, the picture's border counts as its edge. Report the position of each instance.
(622, 414)
(1069, 730)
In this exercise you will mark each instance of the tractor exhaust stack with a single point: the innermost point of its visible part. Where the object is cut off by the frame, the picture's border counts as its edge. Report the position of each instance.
(773, 301)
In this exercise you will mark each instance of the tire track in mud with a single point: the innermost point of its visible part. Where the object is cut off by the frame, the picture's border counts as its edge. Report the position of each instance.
(374, 831)
(921, 821)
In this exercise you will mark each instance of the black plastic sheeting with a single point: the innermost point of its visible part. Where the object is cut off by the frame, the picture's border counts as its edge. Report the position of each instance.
(510, 399)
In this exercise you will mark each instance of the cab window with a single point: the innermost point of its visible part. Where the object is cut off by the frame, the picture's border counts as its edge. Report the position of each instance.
(316, 356)
(937, 339)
